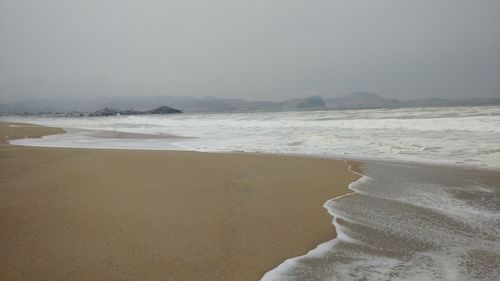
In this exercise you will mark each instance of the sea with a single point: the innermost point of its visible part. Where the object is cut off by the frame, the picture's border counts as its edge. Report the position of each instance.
(426, 206)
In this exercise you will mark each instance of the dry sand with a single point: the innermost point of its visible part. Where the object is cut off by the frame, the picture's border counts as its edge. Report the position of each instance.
(87, 214)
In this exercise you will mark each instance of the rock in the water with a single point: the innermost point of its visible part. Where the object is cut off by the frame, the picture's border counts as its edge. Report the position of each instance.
(112, 112)
(163, 110)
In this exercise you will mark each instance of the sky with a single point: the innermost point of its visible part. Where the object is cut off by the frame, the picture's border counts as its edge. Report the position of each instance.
(258, 50)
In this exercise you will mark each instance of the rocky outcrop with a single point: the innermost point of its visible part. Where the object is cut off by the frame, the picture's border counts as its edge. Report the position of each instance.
(105, 112)
(113, 112)
(163, 110)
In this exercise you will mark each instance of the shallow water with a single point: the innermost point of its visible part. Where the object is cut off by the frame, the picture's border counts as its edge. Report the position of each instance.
(409, 222)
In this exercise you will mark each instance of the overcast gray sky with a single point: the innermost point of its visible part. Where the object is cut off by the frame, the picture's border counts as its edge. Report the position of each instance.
(251, 49)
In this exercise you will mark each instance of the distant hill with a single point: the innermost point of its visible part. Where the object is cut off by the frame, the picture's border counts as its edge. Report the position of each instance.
(307, 103)
(356, 100)
(186, 104)
(361, 100)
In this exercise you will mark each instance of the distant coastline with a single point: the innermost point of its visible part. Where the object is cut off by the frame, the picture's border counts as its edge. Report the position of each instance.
(107, 111)
(107, 106)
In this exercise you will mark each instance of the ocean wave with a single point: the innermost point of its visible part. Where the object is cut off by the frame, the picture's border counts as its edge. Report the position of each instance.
(458, 135)
(408, 222)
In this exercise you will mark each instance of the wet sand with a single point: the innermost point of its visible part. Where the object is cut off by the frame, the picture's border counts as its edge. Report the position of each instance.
(90, 214)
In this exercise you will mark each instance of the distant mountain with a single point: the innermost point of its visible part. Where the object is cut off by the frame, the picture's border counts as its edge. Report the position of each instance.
(307, 103)
(211, 104)
(186, 104)
(356, 100)
(361, 100)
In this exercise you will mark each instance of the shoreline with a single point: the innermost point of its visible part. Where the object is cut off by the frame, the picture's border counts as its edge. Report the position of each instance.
(112, 134)
(281, 270)
(457, 208)
(249, 213)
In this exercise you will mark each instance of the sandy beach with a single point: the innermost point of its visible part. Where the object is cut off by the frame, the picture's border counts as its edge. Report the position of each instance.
(89, 214)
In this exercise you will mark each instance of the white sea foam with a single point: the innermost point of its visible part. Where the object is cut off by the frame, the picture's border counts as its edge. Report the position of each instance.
(459, 135)
(285, 270)
(408, 234)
